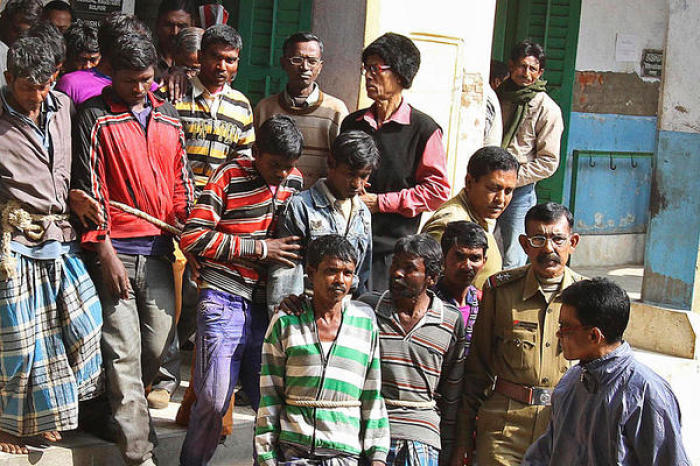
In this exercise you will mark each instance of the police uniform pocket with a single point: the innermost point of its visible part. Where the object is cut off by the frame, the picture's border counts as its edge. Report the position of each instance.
(519, 348)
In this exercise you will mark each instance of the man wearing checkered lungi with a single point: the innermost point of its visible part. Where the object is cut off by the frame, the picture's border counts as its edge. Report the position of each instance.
(50, 315)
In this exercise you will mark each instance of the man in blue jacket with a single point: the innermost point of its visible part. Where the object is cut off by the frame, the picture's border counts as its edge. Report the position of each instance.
(331, 206)
(609, 408)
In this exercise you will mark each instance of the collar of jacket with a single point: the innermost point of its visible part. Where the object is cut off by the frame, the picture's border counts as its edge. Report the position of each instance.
(321, 200)
(464, 199)
(532, 286)
(117, 106)
(385, 308)
(601, 371)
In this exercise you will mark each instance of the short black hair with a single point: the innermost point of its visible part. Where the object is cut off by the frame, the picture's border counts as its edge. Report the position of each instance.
(356, 149)
(166, 6)
(81, 37)
(133, 52)
(279, 135)
(29, 58)
(221, 34)
(600, 303)
(489, 159)
(115, 26)
(549, 212)
(425, 247)
(30, 9)
(330, 246)
(498, 70)
(58, 5)
(464, 234)
(399, 52)
(301, 37)
(528, 48)
(52, 39)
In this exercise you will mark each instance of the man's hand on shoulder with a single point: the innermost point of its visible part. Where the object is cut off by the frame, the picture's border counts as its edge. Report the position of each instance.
(177, 82)
(292, 305)
(371, 200)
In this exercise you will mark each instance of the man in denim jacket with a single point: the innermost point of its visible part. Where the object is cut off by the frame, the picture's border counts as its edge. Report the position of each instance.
(331, 206)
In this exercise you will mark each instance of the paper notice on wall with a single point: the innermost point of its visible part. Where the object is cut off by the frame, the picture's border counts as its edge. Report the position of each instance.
(626, 47)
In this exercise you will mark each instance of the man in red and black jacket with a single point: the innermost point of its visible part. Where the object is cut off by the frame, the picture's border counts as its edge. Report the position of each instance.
(129, 148)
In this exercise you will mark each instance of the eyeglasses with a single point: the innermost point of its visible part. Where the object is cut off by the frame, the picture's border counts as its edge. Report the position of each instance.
(569, 329)
(374, 69)
(540, 240)
(298, 61)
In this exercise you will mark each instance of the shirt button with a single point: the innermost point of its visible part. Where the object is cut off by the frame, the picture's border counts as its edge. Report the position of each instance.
(545, 380)
(549, 311)
(547, 345)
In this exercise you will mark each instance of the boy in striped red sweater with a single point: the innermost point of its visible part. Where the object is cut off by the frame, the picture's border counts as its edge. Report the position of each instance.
(229, 231)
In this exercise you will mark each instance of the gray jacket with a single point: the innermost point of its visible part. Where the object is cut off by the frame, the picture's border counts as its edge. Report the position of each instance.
(29, 174)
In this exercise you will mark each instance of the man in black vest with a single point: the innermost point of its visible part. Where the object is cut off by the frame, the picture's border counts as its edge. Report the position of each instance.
(412, 173)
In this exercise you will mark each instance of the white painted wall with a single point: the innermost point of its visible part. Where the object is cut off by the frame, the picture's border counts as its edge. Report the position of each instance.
(680, 99)
(341, 26)
(602, 20)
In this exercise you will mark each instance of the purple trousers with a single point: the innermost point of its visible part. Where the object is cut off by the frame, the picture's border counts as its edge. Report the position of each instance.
(230, 334)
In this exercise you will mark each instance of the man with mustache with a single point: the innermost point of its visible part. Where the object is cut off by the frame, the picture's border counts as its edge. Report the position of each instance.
(217, 119)
(515, 359)
(464, 246)
(320, 382)
(488, 187)
(422, 343)
(317, 114)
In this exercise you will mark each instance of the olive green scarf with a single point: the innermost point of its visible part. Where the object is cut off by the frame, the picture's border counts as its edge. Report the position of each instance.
(519, 96)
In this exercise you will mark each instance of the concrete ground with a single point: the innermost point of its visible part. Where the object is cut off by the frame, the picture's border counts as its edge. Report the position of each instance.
(628, 277)
(82, 449)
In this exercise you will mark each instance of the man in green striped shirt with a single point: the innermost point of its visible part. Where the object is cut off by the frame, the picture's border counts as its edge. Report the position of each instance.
(320, 382)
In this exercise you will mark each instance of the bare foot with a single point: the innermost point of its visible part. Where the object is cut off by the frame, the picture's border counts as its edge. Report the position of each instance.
(11, 444)
(53, 436)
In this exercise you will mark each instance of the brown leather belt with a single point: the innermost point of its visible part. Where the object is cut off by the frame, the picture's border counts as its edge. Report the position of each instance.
(538, 396)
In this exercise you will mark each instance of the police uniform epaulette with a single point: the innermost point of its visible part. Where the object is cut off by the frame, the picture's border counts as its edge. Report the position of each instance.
(507, 276)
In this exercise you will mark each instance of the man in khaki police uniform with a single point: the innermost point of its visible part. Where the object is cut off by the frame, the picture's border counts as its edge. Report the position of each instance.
(515, 344)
